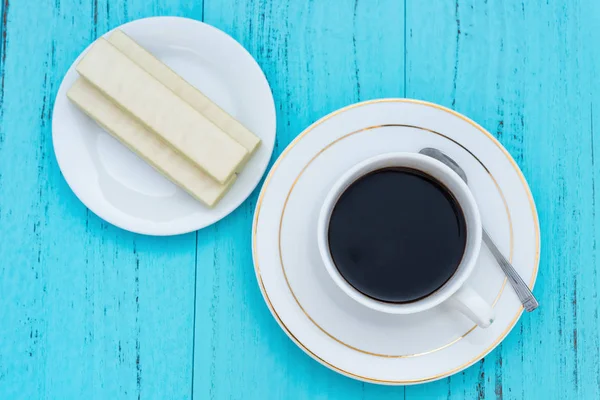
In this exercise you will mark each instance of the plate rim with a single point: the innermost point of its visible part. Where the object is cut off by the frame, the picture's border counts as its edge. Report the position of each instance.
(290, 334)
(169, 230)
(303, 308)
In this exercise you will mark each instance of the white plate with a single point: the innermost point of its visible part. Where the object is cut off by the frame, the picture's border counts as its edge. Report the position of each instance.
(339, 332)
(121, 188)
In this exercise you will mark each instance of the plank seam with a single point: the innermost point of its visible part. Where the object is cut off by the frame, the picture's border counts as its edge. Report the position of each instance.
(194, 318)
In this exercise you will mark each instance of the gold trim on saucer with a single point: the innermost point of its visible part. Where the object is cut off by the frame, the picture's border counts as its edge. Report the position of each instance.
(330, 145)
(307, 350)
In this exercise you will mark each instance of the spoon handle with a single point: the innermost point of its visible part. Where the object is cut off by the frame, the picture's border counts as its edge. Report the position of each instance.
(521, 288)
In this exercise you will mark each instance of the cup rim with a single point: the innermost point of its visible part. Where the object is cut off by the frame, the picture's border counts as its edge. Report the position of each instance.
(474, 231)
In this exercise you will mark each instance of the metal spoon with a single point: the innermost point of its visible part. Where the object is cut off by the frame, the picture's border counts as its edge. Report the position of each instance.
(521, 288)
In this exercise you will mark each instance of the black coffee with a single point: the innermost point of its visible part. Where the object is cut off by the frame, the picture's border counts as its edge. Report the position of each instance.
(397, 235)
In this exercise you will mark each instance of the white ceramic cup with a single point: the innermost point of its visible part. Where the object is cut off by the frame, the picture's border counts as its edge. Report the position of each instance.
(455, 292)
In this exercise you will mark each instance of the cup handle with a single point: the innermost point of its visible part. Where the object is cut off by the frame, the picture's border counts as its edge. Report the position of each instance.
(468, 302)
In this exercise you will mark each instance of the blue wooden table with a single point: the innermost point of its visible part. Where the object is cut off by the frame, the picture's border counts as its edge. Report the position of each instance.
(88, 311)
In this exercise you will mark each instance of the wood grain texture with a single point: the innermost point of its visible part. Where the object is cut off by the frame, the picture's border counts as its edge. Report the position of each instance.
(90, 311)
(87, 310)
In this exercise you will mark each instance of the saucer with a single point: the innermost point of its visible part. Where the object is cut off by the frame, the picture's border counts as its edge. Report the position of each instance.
(336, 330)
(121, 188)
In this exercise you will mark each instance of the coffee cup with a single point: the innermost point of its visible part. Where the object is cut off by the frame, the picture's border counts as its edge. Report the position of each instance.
(375, 226)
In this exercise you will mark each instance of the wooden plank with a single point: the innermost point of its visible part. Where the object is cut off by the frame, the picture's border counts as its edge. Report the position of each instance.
(522, 70)
(587, 344)
(317, 56)
(87, 310)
